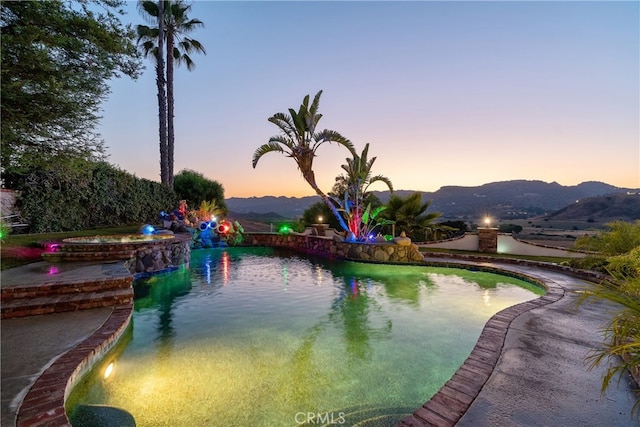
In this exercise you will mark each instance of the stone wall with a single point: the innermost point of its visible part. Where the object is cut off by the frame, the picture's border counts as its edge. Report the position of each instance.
(161, 257)
(387, 252)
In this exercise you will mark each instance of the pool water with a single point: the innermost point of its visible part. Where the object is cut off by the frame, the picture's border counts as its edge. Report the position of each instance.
(257, 337)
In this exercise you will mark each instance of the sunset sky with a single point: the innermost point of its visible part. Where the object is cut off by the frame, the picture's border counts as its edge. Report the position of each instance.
(445, 93)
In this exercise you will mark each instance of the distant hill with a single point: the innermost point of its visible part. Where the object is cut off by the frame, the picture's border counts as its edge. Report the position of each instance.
(503, 200)
(288, 207)
(513, 199)
(612, 207)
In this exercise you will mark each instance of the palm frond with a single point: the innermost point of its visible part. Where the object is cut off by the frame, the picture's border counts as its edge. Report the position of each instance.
(285, 123)
(332, 136)
(380, 178)
(189, 45)
(264, 149)
(149, 10)
(313, 110)
(284, 140)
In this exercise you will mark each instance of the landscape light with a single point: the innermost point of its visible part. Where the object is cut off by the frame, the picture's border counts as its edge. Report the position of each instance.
(320, 219)
(108, 371)
(487, 221)
(284, 229)
(147, 229)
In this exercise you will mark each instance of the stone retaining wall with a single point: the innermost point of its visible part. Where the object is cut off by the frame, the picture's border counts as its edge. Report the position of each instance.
(156, 258)
(387, 252)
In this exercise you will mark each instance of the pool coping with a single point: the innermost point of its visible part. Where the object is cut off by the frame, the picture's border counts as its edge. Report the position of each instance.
(449, 404)
(44, 403)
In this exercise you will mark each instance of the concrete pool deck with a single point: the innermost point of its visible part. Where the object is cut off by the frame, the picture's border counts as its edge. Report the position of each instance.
(527, 368)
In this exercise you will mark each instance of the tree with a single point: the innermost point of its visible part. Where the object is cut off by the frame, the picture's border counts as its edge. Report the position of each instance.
(56, 62)
(193, 187)
(409, 215)
(300, 141)
(175, 26)
(156, 51)
(351, 190)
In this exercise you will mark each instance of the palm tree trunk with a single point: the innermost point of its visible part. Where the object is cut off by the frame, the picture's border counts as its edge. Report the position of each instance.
(162, 102)
(170, 104)
(309, 176)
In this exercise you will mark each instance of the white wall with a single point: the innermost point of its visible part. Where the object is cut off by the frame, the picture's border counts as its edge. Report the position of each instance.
(506, 245)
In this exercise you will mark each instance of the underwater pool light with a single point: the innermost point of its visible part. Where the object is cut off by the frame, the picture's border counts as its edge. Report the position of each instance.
(108, 371)
(147, 229)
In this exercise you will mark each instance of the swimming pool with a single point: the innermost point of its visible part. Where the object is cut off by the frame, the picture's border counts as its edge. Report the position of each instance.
(263, 337)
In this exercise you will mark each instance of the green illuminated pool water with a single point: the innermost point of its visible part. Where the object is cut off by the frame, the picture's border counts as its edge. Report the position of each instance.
(256, 337)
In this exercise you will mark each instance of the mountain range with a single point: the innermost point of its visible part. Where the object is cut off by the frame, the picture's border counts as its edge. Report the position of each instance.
(504, 200)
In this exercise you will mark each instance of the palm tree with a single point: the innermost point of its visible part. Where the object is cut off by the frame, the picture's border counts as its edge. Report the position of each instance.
(300, 141)
(409, 214)
(176, 25)
(351, 192)
(156, 51)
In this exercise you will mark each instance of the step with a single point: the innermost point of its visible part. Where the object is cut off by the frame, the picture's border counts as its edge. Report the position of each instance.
(121, 255)
(31, 306)
(53, 289)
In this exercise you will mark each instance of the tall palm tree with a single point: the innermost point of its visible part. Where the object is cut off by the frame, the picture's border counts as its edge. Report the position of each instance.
(148, 35)
(300, 141)
(176, 25)
(352, 189)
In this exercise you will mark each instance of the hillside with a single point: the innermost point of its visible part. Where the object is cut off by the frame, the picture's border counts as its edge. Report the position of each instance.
(513, 199)
(620, 206)
(505, 199)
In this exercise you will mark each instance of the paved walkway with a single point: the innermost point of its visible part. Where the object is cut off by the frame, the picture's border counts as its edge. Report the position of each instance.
(30, 345)
(540, 378)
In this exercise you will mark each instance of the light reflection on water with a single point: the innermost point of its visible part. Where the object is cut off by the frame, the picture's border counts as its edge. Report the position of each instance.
(250, 338)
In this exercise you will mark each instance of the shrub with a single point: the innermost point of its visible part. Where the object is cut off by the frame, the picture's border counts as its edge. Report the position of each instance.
(193, 187)
(510, 228)
(621, 237)
(75, 194)
(622, 333)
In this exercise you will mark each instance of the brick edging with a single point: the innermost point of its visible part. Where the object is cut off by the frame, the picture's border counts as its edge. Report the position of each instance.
(43, 405)
(451, 402)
